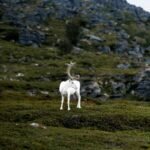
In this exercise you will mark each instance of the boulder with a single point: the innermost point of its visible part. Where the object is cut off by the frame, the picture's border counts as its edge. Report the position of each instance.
(104, 49)
(142, 89)
(118, 89)
(147, 61)
(123, 34)
(123, 66)
(136, 51)
(30, 37)
(121, 47)
(91, 89)
(77, 50)
(94, 39)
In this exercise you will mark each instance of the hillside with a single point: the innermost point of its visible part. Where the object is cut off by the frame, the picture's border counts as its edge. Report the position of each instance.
(108, 40)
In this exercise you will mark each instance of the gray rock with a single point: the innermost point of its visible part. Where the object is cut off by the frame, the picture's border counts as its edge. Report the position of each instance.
(147, 51)
(118, 89)
(147, 61)
(91, 89)
(94, 38)
(92, 9)
(30, 37)
(96, 11)
(77, 50)
(135, 54)
(44, 92)
(123, 66)
(122, 47)
(123, 34)
(32, 92)
(105, 49)
(104, 97)
(142, 89)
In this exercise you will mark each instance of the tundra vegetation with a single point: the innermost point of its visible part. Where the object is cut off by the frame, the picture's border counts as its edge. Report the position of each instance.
(113, 124)
(31, 71)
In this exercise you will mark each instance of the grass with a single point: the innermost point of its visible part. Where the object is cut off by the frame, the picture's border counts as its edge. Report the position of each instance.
(108, 116)
(117, 124)
(23, 136)
(114, 124)
(98, 125)
(43, 68)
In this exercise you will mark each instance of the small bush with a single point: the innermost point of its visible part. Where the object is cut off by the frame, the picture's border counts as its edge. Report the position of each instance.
(12, 35)
(65, 46)
(73, 30)
(9, 32)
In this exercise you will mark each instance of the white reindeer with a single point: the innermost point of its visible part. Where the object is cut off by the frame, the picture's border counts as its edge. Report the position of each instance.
(70, 87)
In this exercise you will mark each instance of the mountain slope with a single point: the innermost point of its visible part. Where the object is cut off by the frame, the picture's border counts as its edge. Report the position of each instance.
(98, 31)
(31, 23)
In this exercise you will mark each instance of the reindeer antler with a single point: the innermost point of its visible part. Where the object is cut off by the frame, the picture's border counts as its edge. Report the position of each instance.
(70, 65)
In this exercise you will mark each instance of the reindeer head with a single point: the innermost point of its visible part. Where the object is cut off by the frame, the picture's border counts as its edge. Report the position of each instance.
(69, 67)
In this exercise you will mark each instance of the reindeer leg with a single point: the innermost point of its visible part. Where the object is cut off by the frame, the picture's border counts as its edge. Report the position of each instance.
(62, 101)
(79, 100)
(68, 101)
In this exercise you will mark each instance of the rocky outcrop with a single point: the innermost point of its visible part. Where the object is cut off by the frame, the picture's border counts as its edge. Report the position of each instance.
(118, 86)
(24, 13)
(142, 89)
(91, 89)
(31, 37)
(118, 89)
